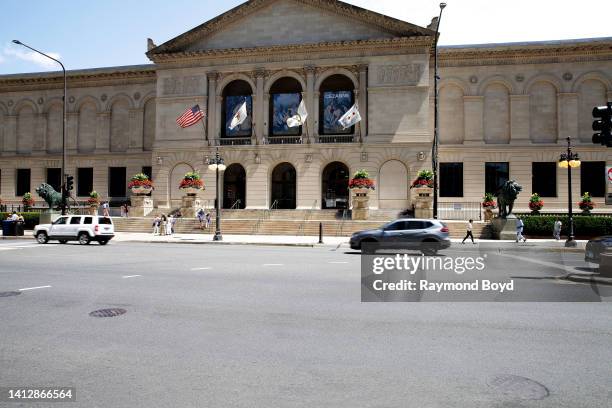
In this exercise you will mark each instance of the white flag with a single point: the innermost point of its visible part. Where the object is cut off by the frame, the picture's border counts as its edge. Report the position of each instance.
(300, 118)
(239, 117)
(351, 117)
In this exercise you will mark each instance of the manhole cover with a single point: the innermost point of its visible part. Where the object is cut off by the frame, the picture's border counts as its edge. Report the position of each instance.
(7, 294)
(107, 312)
(519, 387)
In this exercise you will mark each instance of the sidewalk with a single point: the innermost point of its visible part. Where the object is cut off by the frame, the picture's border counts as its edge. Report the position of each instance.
(292, 240)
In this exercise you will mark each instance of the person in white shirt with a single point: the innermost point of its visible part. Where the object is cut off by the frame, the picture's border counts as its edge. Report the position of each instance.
(14, 216)
(469, 227)
(169, 224)
(519, 230)
(557, 230)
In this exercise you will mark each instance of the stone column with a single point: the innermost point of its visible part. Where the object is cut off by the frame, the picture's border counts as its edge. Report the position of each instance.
(567, 114)
(72, 124)
(357, 133)
(218, 120)
(103, 132)
(10, 136)
(266, 109)
(363, 99)
(519, 118)
(212, 92)
(474, 129)
(310, 101)
(315, 127)
(136, 130)
(254, 121)
(258, 105)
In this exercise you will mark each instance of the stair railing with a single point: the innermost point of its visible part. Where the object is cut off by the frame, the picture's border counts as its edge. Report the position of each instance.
(342, 221)
(302, 227)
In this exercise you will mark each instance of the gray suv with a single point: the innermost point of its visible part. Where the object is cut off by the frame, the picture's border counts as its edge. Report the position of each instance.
(428, 236)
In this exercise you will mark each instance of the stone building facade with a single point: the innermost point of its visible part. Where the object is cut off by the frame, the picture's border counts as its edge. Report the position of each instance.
(503, 108)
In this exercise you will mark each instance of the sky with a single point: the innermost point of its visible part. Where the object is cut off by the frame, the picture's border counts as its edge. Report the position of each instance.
(93, 34)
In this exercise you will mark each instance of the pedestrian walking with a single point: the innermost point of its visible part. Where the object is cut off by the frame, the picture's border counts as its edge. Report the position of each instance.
(200, 215)
(126, 209)
(557, 230)
(106, 209)
(156, 224)
(519, 230)
(169, 224)
(207, 220)
(164, 224)
(173, 223)
(468, 233)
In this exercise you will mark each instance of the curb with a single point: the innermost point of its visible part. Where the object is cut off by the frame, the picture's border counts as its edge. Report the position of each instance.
(282, 244)
(590, 279)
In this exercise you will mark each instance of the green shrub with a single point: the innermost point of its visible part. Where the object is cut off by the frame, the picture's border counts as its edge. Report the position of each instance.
(31, 218)
(585, 226)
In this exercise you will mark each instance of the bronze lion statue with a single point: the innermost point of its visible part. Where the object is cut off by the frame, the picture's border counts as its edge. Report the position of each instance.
(506, 194)
(48, 193)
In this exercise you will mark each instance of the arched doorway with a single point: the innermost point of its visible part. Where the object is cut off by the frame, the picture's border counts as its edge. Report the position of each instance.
(234, 187)
(283, 186)
(334, 183)
(393, 185)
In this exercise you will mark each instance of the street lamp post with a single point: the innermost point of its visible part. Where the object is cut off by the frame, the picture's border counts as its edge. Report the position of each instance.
(217, 164)
(63, 170)
(569, 160)
(434, 149)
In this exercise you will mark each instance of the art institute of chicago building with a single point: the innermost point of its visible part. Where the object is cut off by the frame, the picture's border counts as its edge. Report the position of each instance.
(505, 111)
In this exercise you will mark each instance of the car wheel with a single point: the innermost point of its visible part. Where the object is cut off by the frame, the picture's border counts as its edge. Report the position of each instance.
(368, 246)
(63, 241)
(42, 238)
(84, 238)
(103, 241)
(429, 248)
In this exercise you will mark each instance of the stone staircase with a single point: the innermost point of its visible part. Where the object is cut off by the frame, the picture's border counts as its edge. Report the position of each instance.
(287, 222)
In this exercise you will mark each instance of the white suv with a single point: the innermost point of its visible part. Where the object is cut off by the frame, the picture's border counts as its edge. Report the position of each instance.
(82, 228)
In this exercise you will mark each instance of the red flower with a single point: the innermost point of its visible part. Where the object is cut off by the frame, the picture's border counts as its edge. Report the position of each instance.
(191, 183)
(140, 183)
(488, 204)
(361, 183)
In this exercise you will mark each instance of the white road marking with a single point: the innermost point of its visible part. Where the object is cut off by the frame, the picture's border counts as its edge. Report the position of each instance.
(201, 269)
(35, 287)
(130, 276)
(273, 264)
(338, 262)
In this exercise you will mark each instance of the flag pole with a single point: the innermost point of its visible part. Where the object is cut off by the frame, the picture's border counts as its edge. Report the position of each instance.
(204, 129)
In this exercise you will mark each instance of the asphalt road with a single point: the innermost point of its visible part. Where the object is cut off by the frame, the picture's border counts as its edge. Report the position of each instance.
(248, 326)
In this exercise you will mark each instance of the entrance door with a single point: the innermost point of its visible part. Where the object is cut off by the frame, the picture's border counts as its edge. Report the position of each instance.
(283, 186)
(234, 187)
(334, 184)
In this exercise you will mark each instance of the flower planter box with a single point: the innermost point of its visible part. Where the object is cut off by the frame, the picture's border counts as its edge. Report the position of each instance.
(141, 190)
(191, 191)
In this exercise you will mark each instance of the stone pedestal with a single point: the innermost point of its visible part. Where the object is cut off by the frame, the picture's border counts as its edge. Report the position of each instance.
(605, 264)
(93, 210)
(190, 204)
(142, 206)
(48, 216)
(360, 200)
(488, 213)
(423, 201)
(504, 228)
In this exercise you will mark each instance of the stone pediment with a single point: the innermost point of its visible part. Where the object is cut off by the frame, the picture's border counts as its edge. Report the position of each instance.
(266, 23)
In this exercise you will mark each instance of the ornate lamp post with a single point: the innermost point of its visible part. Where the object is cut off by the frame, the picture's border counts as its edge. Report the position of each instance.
(63, 170)
(217, 164)
(434, 149)
(568, 160)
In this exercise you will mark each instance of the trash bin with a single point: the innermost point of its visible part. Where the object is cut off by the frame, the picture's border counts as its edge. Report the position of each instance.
(8, 228)
(19, 227)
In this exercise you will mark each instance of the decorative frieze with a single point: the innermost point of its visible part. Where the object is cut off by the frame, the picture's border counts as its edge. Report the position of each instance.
(405, 74)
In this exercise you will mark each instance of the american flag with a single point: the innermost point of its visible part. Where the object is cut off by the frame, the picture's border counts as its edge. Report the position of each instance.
(190, 117)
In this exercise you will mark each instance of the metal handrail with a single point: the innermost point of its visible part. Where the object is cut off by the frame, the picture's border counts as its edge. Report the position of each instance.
(307, 216)
(236, 204)
(342, 220)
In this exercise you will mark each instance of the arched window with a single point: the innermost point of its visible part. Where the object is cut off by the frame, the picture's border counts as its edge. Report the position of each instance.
(234, 95)
(234, 187)
(285, 97)
(283, 186)
(334, 183)
(335, 98)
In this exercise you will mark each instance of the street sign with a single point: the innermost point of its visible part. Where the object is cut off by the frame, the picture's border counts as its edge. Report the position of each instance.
(608, 185)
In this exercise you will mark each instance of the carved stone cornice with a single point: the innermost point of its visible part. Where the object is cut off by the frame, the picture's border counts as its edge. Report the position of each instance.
(81, 78)
(526, 53)
(393, 26)
(420, 44)
(260, 73)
